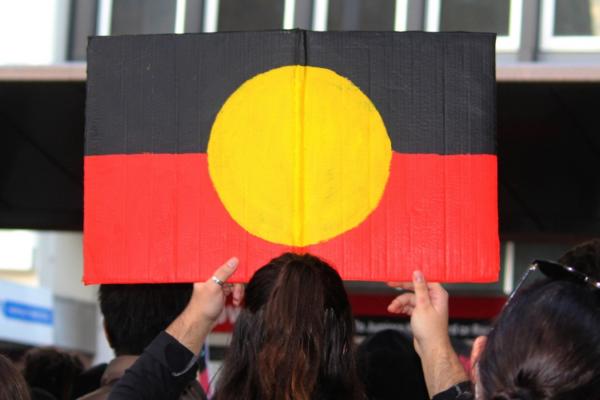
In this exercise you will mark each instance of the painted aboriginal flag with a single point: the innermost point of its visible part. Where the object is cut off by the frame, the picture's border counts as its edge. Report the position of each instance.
(374, 151)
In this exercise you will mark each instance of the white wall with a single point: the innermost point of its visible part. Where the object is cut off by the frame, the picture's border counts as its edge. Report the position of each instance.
(59, 261)
(33, 31)
(103, 351)
(59, 265)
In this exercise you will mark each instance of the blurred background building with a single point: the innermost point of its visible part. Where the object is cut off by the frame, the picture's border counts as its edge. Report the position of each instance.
(548, 70)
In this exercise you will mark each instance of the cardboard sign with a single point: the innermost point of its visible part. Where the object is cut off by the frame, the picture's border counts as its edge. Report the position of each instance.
(374, 151)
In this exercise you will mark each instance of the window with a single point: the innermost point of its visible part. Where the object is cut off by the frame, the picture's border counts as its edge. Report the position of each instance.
(115, 17)
(244, 15)
(570, 25)
(82, 24)
(135, 16)
(366, 15)
(500, 16)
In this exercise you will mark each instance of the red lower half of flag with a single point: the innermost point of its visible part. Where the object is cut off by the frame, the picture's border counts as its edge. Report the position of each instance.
(157, 218)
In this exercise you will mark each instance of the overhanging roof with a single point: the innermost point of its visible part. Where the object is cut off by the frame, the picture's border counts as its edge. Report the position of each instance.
(517, 72)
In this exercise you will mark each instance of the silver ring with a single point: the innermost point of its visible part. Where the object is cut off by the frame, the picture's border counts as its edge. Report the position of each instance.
(218, 281)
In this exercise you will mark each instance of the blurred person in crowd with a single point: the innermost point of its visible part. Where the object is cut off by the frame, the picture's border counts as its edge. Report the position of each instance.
(292, 340)
(51, 373)
(390, 368)
(545, 345)
(12, 383)
(133, 315)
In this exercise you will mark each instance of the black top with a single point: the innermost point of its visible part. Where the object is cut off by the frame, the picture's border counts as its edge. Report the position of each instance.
(460, 391)
(167, 367)
(162, 372)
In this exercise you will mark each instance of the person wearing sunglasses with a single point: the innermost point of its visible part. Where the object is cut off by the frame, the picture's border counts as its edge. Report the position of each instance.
(545, 345)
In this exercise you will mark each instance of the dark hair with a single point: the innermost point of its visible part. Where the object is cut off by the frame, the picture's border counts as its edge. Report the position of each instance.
(585, 257)
(545, 345)
(12, 384)
(135, 314)
(390, 367)
(294, 336)
(52, 370)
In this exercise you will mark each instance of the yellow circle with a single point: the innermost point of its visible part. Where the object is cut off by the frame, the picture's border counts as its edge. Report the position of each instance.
(299, 155)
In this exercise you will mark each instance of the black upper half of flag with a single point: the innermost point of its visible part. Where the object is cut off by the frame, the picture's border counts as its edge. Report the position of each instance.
(436, 92)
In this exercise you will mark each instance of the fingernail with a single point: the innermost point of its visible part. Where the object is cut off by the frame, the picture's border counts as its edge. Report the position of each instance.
(232, 262)
(418, 276)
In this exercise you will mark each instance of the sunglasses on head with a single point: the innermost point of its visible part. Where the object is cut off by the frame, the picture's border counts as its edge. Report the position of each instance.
(555, 271)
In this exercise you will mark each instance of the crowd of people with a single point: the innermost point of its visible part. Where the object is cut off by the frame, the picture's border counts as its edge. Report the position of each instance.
(294, 339)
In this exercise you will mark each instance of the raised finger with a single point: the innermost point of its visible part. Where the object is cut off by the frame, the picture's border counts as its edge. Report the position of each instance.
(226, 270)
(421, 289)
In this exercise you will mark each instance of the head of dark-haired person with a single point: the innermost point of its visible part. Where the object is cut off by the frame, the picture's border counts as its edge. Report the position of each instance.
(12, 383)
(51, 371)
(135, 314)
(390, 368)
(544, 346)
(294, 336)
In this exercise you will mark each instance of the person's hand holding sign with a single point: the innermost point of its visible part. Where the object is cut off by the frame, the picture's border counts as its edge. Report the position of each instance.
(427, 306)
(166, 368)
(207, 302)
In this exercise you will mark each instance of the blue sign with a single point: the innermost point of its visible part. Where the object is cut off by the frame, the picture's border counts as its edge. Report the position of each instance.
(27, 313)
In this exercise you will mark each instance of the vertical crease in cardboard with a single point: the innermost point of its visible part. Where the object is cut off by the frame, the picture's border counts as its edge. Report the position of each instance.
(176, 238)
(299, 87)
(125, 171)
(446, 253)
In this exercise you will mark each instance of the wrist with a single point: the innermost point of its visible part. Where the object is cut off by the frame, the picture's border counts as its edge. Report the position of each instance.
(433, 346)
(190, 328)
(195, 317)
(441, 366)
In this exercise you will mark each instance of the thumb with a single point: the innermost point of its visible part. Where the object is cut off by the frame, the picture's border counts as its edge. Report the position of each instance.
(421, 290)
(226, 270)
